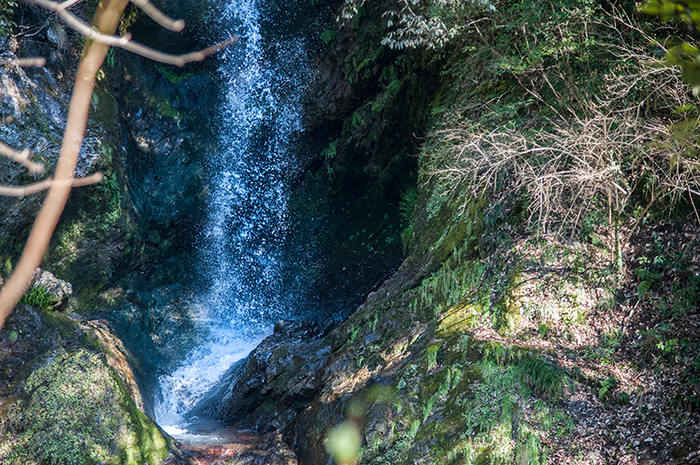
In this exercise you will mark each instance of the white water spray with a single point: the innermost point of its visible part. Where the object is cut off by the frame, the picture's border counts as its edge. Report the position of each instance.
(242, 245)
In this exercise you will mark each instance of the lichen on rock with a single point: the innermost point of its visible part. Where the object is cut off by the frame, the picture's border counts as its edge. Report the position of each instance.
(57, 291)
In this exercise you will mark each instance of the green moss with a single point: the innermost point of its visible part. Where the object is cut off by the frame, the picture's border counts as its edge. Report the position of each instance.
(475, 409)
(62, 325)
(456, 282)
(432, 355)
(543, 378)
(269, 404)
(97, 216)
(105, 109)
(38, 297)
(507, 311)
(77, 411)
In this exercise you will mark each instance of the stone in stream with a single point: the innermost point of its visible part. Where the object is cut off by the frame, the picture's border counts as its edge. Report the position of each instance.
(286, 367)
(240, 447)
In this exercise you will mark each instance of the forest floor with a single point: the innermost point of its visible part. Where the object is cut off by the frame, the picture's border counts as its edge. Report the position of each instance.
(634, 395)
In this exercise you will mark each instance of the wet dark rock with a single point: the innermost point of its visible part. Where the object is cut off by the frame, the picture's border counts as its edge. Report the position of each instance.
(88, 246)
(287, 367)
(32, 106)
(162, 319)
(166, 175)
(378, 426)
(159, 327)
(305, 380)
(145, 133)
(298, 330)
(362, 131)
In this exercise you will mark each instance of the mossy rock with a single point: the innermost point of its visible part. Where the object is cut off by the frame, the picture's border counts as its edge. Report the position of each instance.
(76, 410)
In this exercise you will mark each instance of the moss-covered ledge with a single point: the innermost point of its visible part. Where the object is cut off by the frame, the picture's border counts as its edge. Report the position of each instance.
(68, 395)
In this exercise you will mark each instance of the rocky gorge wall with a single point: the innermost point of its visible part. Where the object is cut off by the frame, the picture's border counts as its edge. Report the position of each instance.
(125, 245)
(495, 340)
(445, 329)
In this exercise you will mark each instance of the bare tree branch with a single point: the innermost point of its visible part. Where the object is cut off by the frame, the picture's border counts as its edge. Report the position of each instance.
(21, 157)
(178, 60)
(156, 15)
(22, 191)
(144, 5)
(106, 21)
(37, 62)
(68, 3)
(85, 30)
(125, 41)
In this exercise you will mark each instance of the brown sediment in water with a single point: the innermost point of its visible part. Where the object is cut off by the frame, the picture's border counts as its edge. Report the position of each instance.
(227, 445)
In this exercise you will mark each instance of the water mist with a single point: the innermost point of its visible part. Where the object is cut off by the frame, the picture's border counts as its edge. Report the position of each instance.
(242, 244)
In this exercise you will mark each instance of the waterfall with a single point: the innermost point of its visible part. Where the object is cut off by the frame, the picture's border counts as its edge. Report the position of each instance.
(242, 244)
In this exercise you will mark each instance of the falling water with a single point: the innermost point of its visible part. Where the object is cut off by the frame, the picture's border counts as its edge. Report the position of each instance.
(242, 245)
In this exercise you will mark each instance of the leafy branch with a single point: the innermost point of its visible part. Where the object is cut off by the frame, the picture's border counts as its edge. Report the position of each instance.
(421, 23)
(686, 56)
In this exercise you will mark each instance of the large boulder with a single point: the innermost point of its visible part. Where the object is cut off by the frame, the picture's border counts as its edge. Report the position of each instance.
(266, 389)
(69, 396)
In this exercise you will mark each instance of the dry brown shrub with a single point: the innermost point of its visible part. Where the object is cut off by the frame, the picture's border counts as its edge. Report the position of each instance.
(598, 153)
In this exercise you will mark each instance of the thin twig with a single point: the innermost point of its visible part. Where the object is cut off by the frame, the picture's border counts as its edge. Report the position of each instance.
(108, 17)
(178, 60)
(21, 157)
(85, 30)
(690, 196)
(68, 3)
(23, 191)
(156, 15)
(37, 62)
(126, 43)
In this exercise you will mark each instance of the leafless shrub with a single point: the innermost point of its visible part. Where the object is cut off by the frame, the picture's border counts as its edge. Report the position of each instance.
(571, 168)
(564, 171)
(595, 154)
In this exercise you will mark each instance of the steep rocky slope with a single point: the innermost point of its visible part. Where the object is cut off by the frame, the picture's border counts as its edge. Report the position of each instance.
(69, 394)
(514, 331)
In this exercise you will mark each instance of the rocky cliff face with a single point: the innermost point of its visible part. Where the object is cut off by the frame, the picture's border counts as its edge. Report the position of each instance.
(363, 125)
(492, 342)
(69, 394)
(307, 378)
(146, 134)
(483, 343)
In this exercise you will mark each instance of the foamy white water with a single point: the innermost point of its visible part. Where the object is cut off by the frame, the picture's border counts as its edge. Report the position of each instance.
(242, 245)
(185, 386)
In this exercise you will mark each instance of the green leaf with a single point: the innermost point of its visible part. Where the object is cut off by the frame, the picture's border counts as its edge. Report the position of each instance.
(643, 288)
(686, 57)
